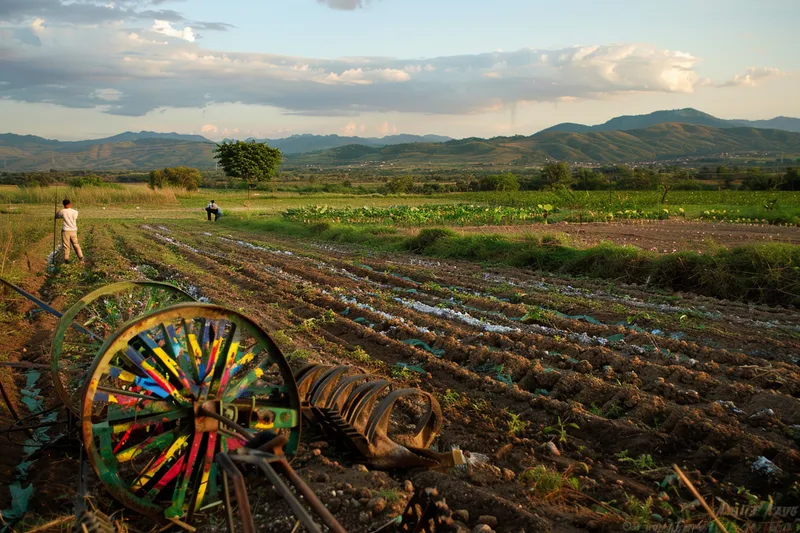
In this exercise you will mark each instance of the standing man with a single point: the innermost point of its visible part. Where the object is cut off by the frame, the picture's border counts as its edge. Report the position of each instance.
(213, 208)
(69, 231)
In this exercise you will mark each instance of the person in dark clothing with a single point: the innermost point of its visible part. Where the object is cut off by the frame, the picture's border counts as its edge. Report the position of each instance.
(213, 208)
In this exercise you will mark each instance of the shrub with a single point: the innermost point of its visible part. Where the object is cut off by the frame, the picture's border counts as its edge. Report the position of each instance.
(426, 238)
(499, 182)
(188, 178)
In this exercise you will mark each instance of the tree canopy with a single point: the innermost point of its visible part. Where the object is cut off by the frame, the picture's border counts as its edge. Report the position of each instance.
(254, 162)
(499, 182)
(555, 175)
(189, 178)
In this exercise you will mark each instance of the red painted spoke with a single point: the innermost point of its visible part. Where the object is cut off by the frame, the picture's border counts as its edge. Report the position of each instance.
(168, 363)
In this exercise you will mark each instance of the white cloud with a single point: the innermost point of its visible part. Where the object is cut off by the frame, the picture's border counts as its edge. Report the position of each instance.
(153, 76)
(347, 5)
(752, 76)
(95, 12)
(165, 27)
(37, 26)
(209, 129)
(109, 95)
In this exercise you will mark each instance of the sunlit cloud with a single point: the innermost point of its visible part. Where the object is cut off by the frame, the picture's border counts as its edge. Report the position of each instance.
(752, 76)
(150, 74)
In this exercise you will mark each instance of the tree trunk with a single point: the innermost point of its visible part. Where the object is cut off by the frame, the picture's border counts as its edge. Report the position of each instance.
(666, 190)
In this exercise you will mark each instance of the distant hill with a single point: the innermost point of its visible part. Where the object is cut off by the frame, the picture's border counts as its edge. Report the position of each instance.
(148, 150)
(684, 116)
(28, 152)
(132, 136)
(659, 142)
(298, 144)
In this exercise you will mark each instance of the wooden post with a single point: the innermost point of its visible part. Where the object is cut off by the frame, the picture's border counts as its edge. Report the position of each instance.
(55, 225)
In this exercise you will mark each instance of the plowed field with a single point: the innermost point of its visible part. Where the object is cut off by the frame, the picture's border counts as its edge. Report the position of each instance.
(581, 394)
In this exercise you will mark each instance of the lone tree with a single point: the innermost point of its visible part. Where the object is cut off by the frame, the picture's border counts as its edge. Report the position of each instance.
(253, 162)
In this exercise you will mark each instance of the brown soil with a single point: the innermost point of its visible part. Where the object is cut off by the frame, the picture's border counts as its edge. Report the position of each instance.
(705, 384)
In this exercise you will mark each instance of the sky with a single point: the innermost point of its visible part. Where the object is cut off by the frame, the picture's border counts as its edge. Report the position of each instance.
(79, 69)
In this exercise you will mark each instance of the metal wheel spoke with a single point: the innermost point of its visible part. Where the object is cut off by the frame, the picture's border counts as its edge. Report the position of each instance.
(163, 468)
(187, 468)
(156, 442)
(112, 395)
(157, 383)
(238, 389)
(229, 346)
(205, 473)
(101, 312)
(157, 353)
(137, 422)
(147, 390)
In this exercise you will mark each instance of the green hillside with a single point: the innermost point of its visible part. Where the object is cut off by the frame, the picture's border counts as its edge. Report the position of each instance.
(659, 142)
(683, 116)
(26, 153)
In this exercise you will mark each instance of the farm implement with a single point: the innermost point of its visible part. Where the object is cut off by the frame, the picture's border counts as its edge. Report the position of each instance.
(178, 403)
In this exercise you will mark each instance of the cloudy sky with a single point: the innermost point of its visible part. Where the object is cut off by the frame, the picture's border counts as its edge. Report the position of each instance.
(77, 69)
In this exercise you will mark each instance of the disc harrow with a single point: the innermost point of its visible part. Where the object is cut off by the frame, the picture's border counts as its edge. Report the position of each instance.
(354, 408)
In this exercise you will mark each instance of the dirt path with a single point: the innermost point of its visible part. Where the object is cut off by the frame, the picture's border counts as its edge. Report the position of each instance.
(662, 236)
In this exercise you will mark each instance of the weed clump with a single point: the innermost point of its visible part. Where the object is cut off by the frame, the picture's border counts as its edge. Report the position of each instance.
(427, 238)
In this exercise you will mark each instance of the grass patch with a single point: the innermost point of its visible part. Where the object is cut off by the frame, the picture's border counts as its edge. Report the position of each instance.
(131, 195)
(766, 273)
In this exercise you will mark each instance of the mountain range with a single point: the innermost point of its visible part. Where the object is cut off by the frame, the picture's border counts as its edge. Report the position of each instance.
(659, 142)
(684, 116)
(658, 136)
(300, 144)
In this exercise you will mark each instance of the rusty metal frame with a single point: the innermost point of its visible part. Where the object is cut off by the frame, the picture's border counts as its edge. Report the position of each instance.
(271, 463)
(355, 408)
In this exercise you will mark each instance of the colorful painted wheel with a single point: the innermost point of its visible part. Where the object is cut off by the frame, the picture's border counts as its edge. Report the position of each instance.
(143, 423)
(83, 327)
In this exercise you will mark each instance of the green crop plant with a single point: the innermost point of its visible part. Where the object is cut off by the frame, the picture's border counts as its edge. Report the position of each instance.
(309, 324)
(329, 316)
(546, 210)
(391, 496)
(359, 355)
(516, 425)
(401, 373)
(639, 512)
(480, 405)
(560, 429)
(451, 398)
(298, 356)
(596, 410)
(642, 464)
(543, 481)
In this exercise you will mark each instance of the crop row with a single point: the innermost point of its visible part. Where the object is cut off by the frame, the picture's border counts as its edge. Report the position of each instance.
(461, 214)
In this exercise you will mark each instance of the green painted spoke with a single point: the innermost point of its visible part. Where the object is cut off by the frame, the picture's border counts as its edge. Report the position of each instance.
(157, 353)
(121, 425)
(156, 442)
